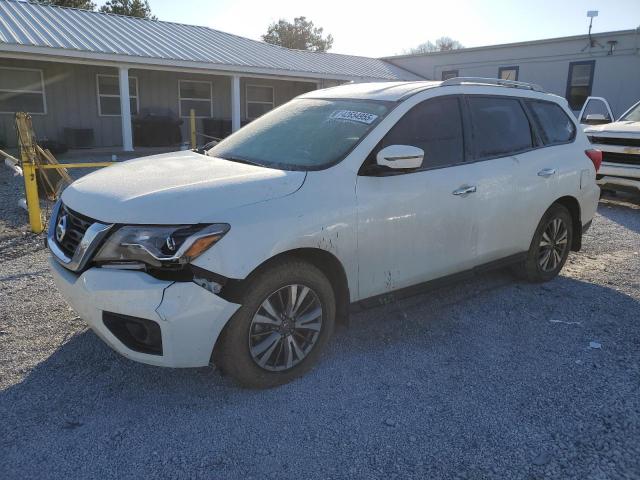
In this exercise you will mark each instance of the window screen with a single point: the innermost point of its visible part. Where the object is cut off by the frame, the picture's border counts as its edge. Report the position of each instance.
(508, 73)
(447, 74)
(259, 100)
(500, 126)
(21, 90)
(109, 95)
(579, 83)
(197, 96)
(553, 124)
(435, 126)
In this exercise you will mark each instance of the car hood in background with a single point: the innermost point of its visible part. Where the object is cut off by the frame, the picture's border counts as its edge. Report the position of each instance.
(173, 188)
(624, 129)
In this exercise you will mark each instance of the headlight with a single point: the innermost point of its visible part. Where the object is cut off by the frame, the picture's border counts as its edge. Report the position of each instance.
(160, 245)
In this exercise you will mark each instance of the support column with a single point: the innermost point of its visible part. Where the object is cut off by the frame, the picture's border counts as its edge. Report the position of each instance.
(235, 103)
(125, 109)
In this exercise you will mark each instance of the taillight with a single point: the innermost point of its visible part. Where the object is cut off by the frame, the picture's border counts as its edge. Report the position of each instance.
(595, 156)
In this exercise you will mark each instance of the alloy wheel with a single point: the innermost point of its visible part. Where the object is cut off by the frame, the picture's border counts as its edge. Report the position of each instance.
(553, 245)
(285, 328)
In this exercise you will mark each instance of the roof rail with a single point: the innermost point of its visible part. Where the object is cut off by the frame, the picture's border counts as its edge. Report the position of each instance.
(492, 81)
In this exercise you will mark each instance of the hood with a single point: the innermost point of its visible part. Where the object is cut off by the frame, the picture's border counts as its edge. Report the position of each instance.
(624, 129)
(173, 188)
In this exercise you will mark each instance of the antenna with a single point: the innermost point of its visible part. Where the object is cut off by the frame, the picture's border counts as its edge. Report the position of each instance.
(591, 14)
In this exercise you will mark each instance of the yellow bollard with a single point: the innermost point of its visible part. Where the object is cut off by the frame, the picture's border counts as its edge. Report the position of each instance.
(192, 116)
(31, 192)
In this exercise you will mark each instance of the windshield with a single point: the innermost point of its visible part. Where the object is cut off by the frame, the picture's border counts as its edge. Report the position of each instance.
(304, 134)
(632, 115)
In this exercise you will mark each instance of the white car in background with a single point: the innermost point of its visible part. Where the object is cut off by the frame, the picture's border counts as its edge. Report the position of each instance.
(618, 140)
(248, 254)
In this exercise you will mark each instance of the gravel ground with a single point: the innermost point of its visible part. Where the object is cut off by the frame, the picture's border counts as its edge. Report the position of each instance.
(490, 378)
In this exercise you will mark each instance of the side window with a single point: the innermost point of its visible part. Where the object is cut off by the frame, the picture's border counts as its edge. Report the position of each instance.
(435, 126)
(553, 123)
(500, 126)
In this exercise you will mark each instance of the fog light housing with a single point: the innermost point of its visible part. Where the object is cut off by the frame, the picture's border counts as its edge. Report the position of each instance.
(138, 334)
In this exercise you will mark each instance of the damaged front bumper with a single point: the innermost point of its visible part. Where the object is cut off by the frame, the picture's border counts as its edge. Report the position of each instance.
(189, 317)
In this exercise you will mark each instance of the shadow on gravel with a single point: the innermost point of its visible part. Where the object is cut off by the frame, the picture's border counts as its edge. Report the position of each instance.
(483, 379)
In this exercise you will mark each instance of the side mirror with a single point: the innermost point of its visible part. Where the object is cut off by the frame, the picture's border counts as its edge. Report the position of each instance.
(596, 119)
(400, 157)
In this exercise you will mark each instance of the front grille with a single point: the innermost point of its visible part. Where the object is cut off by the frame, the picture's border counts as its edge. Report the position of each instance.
(623, 142)
(77, 225)
(625, 158)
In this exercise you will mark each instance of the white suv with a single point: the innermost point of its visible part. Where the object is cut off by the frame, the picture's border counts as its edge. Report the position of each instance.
(249, 253)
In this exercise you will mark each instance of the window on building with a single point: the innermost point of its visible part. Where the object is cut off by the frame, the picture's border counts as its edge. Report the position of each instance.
(259, 100)
(579, 83)
(447, 74)
(508, 73)
(196, 95)
(22, 90)
(553, 123)
(435, 126)
(109, 95)
(500, 126)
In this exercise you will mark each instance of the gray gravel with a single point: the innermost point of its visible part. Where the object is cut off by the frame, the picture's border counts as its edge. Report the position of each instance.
(491, 378)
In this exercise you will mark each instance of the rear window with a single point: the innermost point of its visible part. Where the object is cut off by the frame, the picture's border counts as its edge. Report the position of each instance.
(553, 123)
(500, 126)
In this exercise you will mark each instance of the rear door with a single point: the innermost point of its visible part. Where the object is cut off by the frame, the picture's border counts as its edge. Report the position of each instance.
(502, 143)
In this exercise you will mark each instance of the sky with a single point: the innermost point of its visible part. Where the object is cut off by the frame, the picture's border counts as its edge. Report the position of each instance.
(376, 28)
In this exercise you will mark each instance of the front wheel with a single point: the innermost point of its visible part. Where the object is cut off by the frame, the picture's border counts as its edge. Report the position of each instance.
(549, 247)
(287, 316)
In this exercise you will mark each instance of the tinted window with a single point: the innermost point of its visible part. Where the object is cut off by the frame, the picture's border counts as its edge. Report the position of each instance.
(553, 124)
(500, 126)
(435, 126)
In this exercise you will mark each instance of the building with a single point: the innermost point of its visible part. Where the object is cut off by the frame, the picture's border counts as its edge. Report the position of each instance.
(74, 70)
(604, 64)
(71, 69)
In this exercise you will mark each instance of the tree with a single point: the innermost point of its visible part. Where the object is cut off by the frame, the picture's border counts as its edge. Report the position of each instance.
(301, 35)
(130, 8)
(443, 44)
(83, 4)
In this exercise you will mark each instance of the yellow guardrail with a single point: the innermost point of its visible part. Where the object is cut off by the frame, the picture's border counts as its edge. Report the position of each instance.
(34, 159)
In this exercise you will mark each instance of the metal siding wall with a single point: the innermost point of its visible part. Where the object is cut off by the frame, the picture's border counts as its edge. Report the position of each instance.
(547, 64)
(71, 102)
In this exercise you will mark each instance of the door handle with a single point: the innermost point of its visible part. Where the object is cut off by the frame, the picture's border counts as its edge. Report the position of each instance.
(465, 190)
(547, 172)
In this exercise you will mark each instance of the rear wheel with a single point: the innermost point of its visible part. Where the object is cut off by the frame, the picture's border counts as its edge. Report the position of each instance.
(549, 247)
(287, 316)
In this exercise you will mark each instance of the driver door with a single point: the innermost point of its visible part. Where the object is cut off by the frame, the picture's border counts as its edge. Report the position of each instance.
(417, 225)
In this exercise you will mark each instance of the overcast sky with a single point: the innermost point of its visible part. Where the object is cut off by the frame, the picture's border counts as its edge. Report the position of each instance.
(379, 28)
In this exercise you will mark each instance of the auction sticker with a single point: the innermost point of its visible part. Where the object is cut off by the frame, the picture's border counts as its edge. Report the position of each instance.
(353, 116)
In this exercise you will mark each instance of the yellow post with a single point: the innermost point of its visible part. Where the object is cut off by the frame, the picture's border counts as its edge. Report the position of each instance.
(192, 116)
(27, 154)
(31, 191)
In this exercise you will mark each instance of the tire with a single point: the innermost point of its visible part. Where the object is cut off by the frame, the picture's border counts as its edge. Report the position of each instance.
(540, 266)
(255, 347)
